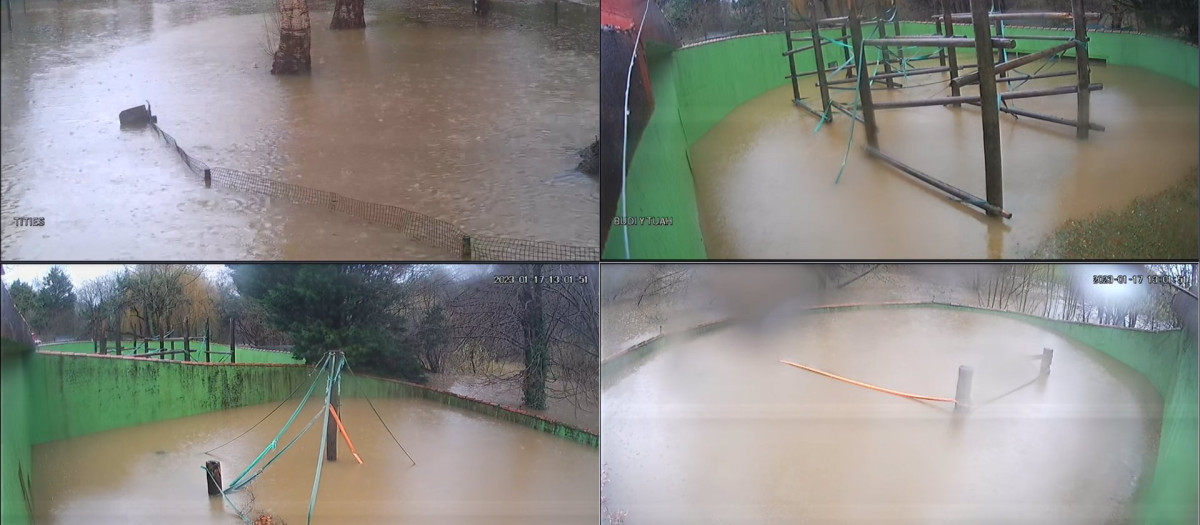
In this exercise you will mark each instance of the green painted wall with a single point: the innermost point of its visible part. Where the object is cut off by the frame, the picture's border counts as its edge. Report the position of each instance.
(16, 446)
(1167, 359)
(698, 86)
(49, 396)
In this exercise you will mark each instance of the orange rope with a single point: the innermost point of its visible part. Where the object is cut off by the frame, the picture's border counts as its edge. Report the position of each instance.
(347, 436)
(872, 387)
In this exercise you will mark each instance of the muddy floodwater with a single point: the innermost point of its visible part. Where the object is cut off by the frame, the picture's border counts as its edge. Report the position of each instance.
(716, 430)
(470, 469)
(477, 123)
(767, 184)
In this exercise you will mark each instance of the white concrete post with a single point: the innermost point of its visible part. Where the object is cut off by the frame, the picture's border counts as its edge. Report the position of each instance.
(962, 395)
(1047, 357)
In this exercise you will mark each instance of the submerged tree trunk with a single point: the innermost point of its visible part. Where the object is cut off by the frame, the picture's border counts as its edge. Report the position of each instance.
(348, 14)
(481, 7)
(295, 39)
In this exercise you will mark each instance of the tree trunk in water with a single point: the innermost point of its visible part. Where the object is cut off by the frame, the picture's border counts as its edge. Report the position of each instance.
(348, 14)
(481, 7)
(295, 39)
(537, 355)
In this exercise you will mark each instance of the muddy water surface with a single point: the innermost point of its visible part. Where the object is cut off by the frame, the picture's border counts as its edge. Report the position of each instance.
(767, 184)
(716, 430)
(470, 469)
(476, 123)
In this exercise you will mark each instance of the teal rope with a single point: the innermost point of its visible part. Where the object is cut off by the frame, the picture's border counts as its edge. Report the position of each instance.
(226, 496)
(862, 63)
(283, 450)
(312, 502)
(274, 442)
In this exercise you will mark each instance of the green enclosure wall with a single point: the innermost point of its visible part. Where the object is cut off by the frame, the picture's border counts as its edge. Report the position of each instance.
(696, 87)
(49, 396)
(1167, 359)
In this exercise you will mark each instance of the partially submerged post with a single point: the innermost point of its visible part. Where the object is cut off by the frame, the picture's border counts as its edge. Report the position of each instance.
(335, 402)
(819, 56)
(1084, 98)
(212, 469)
(951, 54)
(989, 105)
(962, 394)
(864, 81)
(1047, 357)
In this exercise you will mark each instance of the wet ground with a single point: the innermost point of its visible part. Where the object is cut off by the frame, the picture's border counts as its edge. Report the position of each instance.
(473, 122)
(716, 430)
(577, 410)
(470, 469)
(764, 165)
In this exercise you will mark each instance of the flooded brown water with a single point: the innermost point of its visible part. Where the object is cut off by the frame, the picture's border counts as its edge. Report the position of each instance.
(476, 123)
(716, 430)
(576, 410)
(470, 469)
(766, 182)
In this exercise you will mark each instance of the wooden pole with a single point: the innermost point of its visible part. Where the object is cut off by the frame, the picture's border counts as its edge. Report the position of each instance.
(864, 82)
(118, 332)
(1003, 53)
(232, 341)
(466, 248)
(1047, 357)
(207, 350)
(952, 56)
(162, 347)
(964, 99)
(937, 27)
(1020, 78)
(212, 475)
(335, 402)
(187, 336)
(1084, 97)
(884, 56)
(963, 17)
(846, 54)
(819, 54)
(954, 191)
(930, 41)
(989, 104)
(966, 375)
(971, 78)
(790, 54)
(1047, 118)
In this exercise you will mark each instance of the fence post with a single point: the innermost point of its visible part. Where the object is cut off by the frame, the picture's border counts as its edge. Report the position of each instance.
(989, 107)
(951, 53)
(207, 178)
(864, 81)
(118, 333)
(466, 248)
(187, 335)
(1083, 71)
(162, 347)
(212, 474)
(962, 394)
(1047, 357)
(232, 341)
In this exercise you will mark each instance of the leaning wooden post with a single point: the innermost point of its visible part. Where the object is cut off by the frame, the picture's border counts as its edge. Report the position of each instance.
(212, 473)
(207, 350)
(187, 336)
(881, 26)
(819, 56)
(335, 402)
(864, 80)
(989, 104)
(952, 53)
(232, 341)
(1047, 358)
(962, 393)
(787, 34)
(1084, 97)
(937, 28)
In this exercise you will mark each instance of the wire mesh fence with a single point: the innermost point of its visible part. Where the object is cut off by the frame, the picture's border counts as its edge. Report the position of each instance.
(429, 230)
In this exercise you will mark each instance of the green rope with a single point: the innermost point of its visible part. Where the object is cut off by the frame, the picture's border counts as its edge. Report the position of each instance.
(274, 442)
(312, 502)
(226, 496)
(284, 449)
(862, 63)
